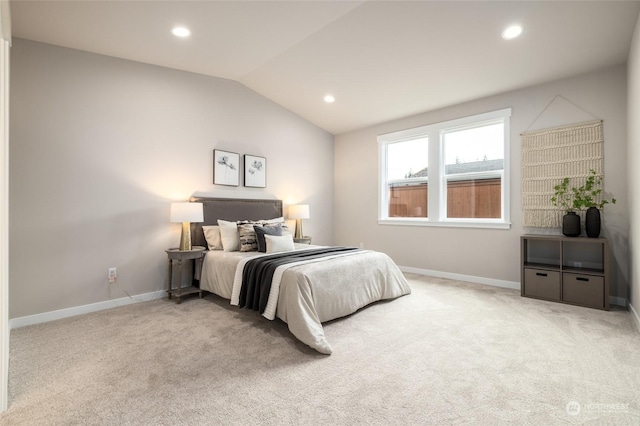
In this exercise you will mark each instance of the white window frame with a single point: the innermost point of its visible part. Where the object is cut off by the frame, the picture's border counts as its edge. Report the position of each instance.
(437, 214)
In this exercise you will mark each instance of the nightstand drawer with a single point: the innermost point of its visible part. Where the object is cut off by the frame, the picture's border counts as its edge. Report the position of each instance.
(585, 290)
(541, 283)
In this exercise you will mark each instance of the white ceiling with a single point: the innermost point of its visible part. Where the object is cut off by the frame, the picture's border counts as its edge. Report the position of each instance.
(381, 59)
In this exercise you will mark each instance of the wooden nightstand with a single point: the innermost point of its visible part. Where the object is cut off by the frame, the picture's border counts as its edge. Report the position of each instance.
(196, 254)
(303, 240)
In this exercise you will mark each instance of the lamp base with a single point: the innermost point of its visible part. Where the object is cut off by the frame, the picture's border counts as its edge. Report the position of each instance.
(298, 233)
(185, 237)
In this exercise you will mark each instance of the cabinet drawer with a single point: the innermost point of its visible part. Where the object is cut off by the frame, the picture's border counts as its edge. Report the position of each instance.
(586, 290)
(542, 283)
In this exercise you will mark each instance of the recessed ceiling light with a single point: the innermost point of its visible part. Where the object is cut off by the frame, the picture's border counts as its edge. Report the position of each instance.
(329, 99)
(181, 32)
(512, 32)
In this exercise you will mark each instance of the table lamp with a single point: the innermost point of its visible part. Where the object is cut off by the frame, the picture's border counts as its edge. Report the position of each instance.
(299, 212)
(186, 213)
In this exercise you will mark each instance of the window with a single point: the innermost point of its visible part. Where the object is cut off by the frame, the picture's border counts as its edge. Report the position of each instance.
(407, 177)
(450, 173)
(473, 170)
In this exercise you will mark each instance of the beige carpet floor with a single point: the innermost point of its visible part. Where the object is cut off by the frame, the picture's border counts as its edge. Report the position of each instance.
(449, 353)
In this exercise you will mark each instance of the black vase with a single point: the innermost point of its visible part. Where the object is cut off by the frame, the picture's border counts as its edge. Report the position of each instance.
(592, 222)
(571, 224)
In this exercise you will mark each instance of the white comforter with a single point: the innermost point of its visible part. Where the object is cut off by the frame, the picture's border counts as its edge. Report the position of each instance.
(314, 292)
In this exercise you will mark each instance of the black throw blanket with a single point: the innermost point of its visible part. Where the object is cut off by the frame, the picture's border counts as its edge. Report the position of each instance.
(258, 273)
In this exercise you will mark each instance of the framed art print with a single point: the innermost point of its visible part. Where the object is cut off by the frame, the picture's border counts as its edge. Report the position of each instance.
(255, 171)
(226, 168)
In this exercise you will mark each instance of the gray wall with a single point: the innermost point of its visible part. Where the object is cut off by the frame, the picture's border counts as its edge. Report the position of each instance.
(487, 253)
(100, 147)
(633, 145)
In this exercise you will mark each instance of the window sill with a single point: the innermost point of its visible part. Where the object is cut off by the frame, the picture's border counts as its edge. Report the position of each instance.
(445, 224)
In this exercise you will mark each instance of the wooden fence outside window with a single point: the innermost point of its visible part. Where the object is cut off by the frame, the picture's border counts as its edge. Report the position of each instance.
(480, 198)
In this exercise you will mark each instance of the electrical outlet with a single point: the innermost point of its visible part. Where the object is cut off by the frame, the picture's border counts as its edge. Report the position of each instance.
(361, 245)
(112, 275)
(577, 264)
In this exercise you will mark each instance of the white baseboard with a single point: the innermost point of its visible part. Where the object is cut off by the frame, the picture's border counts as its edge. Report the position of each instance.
(634, 316)
(613, 300)
(84, 309)
(460, 277)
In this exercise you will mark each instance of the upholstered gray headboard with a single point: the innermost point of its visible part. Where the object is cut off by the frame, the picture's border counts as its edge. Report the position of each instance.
(232, 209)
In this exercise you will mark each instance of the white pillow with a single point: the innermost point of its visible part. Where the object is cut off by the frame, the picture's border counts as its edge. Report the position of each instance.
(291, 224)
(276, 244)
(272, 221)
(212, 235)
(229, 235)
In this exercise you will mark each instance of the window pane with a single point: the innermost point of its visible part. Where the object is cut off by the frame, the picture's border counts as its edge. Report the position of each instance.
(474, 198)
(474, 162)
(408, 159)
(406, 178)
(408, 200)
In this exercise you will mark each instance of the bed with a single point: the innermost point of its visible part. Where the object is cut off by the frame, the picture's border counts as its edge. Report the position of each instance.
(306, 292)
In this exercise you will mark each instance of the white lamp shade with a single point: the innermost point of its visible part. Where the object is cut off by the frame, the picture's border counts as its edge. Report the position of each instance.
(186, 212)
(299, 211)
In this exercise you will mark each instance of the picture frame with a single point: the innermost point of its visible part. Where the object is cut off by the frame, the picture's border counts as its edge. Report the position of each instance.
(226, 168)
(255, 171)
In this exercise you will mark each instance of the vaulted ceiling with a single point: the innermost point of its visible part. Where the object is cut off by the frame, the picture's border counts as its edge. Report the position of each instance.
(380, 59)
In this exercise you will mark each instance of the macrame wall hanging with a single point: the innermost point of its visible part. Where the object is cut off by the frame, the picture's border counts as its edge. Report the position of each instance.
(550, 155)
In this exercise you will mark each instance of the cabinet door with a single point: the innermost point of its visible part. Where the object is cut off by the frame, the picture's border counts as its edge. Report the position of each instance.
(542, 283)
(585, 290)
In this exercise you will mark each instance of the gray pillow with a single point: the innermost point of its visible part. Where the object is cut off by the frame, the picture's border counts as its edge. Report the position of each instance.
(261, 231)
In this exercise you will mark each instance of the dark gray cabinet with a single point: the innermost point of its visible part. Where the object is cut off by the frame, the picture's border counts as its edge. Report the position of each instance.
(571, 270)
